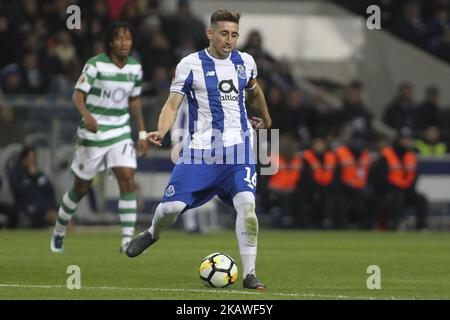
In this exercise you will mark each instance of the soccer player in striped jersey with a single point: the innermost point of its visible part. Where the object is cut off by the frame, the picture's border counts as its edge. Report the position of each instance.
(107, 91)
(216, 82)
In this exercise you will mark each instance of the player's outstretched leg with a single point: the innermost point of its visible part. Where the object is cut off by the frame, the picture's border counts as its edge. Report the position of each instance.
(68, 206)
(165, 215)
(247, 236)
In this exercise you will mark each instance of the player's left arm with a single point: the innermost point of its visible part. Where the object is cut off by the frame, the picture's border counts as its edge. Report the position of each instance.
(256, 99)
(136, 112)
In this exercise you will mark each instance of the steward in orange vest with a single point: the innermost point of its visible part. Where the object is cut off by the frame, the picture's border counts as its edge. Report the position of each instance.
(288, 175)
(354, 166)
(282, 198)
(317, 183)
(395, 176)
(354, 192)
(322, 166)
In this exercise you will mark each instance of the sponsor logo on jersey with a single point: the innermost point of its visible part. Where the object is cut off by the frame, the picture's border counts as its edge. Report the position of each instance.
(228, 90)
(117, 95)
(210, 73)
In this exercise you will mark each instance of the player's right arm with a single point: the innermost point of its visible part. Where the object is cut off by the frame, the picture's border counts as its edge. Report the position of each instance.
(78, 99)
(166, 118)
(181, 86)
(82, 87)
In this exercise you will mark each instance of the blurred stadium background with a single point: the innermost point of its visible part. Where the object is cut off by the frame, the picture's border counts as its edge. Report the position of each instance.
(323, 72)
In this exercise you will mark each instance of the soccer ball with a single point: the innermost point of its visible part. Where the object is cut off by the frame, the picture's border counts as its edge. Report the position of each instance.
(218, 270)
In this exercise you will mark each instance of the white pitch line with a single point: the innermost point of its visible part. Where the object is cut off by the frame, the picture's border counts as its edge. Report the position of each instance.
(280, 294)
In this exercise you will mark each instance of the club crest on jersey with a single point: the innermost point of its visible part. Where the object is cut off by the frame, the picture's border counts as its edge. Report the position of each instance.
(241, 71)
(130, 77)
(170, 191)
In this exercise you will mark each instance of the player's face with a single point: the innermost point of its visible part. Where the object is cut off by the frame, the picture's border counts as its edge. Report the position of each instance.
(223, 36)
(122, 43)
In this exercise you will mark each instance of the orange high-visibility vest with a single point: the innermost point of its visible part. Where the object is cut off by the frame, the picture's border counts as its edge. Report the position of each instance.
(288, 174)
(402, 173)
(354, 173)
(322, 174)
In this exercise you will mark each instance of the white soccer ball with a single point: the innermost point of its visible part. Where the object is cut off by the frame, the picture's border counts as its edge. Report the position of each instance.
(218, 270)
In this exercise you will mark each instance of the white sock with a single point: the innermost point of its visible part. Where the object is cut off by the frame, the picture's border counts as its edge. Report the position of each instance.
(248, 264)
(246, 230)
(165, 215)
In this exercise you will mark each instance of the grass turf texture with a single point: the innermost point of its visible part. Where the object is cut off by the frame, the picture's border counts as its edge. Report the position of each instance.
(293, 265)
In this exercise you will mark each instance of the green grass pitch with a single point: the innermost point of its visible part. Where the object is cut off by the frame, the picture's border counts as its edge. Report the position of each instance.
(293, 264)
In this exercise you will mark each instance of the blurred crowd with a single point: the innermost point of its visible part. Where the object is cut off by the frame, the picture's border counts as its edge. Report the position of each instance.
(44, 57)
(424, 23)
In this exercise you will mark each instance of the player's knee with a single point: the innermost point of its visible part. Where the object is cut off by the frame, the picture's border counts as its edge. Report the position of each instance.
(80, 190)
(126, 183)
(172, 207)
(244, 203)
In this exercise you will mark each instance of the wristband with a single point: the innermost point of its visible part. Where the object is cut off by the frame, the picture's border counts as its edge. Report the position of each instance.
(142, 135)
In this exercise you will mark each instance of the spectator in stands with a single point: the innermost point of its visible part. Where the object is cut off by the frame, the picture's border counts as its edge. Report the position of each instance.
(354, 192)
(159, 84)
(34, 81)
(9, 36)
(281, 76)
(441, 46)
(401, 112)
(32, 190)
(157, 53)
(395, 176)
(130, 14)
(320, 112)
(355, 112)
(428, 112)
(11, 132)
(411, 26)
(295, 115)
(431, 143)
(9, 211)
(65, 52)
(254, 46)
(439, 23)
(275, 103)
(189, 26)
(11, 80)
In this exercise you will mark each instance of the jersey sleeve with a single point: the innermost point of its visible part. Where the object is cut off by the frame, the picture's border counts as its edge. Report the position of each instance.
(253, 67)
(182, 81)
(87, 77)
(137, 89)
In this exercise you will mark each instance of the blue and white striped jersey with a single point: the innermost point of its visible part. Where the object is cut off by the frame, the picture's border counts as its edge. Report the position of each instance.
(215, 92)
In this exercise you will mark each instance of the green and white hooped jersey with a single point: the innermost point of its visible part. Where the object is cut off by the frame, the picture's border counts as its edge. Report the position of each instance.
(108, 89)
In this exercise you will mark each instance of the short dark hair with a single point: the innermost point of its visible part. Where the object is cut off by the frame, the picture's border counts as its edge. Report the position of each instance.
(225, 15)
(111, 32)
(26, 150)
